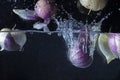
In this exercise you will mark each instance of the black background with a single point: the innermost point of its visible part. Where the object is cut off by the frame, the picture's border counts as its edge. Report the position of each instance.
(44, 57)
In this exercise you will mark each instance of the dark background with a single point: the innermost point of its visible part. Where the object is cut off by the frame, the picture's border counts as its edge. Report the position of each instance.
(44, 57)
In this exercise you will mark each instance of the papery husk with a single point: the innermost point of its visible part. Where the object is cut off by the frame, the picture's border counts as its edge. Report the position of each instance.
(114, 44)
(3, 37)
(25, 14)
(16, 39)
(104, 47)
(94, 5)
(19, 37)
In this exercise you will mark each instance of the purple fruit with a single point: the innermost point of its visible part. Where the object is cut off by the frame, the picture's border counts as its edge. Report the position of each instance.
(12, 41)
(79, 53)
(44, 9)
(114, 43)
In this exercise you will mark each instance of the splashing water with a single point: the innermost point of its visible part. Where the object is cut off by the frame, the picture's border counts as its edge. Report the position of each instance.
(71, 30)
(70, 27)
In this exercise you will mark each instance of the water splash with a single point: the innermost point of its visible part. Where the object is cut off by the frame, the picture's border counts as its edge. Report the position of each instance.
(71, 28)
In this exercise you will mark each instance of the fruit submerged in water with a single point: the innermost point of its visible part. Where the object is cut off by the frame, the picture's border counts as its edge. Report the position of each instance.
(12, 41)
(114, 44)
(104, 47)
(79, 54)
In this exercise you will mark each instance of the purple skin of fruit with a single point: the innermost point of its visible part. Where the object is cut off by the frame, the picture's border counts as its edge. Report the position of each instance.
(44, 9)
(10, 44)
(78, 56)
(114, 43)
